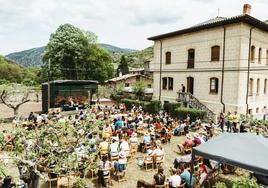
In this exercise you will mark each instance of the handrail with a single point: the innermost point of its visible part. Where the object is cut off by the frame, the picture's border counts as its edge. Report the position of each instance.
(191, 100)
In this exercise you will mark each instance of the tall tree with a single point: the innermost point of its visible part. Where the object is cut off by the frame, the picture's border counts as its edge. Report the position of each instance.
(74, 54)
(123, 66)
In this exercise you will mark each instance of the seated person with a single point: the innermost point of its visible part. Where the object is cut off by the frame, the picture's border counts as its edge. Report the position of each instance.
(104, 147)
(158, 152)
(147, 157)
(146, 138)
(133, 139)
(122, 162)
(206, 168)
(177, 129)
(186, 177)
(182, 159)
(124, 146)
(243, 127)
(114, 148)
(197, 141)
(159, 179)
(188, 143)
(175, 179)
(7, 182)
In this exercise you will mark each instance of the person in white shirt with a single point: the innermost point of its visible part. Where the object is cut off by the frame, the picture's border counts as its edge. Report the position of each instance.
(175, 179)
(124, 146)
(114, 148)
(158, 152)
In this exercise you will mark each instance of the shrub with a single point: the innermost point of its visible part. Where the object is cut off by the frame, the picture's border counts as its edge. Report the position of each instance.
(152, 107)
(181, 113)
(242, 182)
(171, 107)
(219, 185)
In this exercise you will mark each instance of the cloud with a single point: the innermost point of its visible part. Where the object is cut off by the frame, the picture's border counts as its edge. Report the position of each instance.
(126, 23)
(153, 12)
(204, 1)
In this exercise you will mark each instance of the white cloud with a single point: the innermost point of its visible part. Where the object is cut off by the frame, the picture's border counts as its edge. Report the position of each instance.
(126, 23)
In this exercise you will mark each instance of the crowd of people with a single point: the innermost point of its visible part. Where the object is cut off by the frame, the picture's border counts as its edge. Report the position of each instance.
(108, 138)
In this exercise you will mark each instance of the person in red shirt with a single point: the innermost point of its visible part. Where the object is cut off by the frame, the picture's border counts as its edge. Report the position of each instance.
(188, 143)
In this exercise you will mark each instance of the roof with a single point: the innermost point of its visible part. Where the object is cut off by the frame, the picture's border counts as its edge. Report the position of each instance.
(244, 150)
(136, 70)
(72, 82)
(216, 22)
(126, 76)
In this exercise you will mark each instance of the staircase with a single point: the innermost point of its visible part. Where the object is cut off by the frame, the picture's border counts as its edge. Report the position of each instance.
(192, 102)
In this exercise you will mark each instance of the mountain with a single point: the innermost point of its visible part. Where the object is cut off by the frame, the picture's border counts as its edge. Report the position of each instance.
(28, 58)
(33, 57)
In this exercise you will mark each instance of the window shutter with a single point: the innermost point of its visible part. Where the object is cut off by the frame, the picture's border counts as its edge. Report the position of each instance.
(168, 57)
(215, 53)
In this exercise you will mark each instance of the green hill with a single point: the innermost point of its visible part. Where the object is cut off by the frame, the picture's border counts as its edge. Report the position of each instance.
(13, 72)
(135, 58)
(33, 57)
(28, 58)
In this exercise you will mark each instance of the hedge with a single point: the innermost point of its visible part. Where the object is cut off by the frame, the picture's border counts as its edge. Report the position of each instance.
(171, 107)
(181, 113)
(150, 107)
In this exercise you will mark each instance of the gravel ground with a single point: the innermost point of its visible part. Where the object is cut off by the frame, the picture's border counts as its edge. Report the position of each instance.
(134, 172)
(24, 110)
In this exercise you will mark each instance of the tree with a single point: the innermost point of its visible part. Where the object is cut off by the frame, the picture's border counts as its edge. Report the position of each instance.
(138, 90)
(74, 55)
(123, 66)
(14, 95)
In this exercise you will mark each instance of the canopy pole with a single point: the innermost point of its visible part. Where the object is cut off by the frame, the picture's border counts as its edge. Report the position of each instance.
(192, 168)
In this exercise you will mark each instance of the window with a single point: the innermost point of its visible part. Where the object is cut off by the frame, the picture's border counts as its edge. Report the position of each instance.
(265, 87)
(257, 110)
(252, 54)
(250, 111)
(250, 87)
(215, 53)
(170, 83)
(266, 57)
(164, 84)
(258, 87)
(214, 82)
(167, 83)
(260, 56)
(168, 57)
(191, 56)
(149, 85)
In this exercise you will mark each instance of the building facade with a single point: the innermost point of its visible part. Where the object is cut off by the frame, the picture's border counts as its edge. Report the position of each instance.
(223, 62)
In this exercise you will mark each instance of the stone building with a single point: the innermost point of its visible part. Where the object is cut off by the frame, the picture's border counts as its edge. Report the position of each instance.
(222, 62)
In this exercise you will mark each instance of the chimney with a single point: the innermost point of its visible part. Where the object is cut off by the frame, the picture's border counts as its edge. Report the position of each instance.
(246, 9)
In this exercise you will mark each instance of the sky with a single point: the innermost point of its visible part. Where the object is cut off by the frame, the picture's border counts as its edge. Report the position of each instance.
(26, 24)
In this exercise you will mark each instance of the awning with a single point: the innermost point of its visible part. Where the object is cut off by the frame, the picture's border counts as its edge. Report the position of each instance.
(245, 150)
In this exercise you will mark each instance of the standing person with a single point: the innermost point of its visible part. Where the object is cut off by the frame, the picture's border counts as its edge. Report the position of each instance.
(235, 121)
(229, 121)
(183, 88)
(104, 170)
(222, 121)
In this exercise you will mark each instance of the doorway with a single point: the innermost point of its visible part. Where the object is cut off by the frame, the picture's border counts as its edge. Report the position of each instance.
(190, 85)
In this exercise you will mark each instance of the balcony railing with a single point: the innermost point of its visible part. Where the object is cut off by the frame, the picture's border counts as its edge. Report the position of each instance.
(192, 101)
